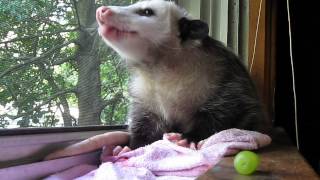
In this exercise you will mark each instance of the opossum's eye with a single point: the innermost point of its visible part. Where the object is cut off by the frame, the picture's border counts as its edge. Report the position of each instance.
(145, 12)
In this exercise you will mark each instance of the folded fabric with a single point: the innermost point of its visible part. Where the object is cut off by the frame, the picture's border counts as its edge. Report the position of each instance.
(165, 160)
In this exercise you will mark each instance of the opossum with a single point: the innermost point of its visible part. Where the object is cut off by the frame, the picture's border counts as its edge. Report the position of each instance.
(181, 79)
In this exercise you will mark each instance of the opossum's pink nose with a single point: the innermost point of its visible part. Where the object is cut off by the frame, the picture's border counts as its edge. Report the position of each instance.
(103, 13)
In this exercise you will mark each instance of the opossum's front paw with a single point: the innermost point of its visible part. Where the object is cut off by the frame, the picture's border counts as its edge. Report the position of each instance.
(118, 150)
(173, 137)
(200, 143)
(179, 140)
(108, 151)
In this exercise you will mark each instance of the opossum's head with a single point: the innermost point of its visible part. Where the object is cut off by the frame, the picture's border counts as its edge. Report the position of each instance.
(133, 30)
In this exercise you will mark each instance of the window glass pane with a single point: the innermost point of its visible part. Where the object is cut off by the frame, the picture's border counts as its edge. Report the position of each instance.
(54, 69)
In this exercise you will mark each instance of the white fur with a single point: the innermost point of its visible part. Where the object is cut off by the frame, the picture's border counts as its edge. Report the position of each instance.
(169, 95)
(174, 94)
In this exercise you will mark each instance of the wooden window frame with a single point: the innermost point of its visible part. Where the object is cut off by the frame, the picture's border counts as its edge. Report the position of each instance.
(263, 70)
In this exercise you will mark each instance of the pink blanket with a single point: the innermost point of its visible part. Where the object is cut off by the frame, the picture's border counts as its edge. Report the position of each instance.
(166, 160)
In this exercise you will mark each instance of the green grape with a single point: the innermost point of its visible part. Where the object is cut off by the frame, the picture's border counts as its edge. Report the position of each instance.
(246, 162)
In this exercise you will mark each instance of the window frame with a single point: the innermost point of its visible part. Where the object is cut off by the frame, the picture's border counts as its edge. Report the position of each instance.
(263, 71)
(48, 130)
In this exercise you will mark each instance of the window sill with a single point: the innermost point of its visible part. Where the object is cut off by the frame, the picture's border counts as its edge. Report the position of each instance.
(32, 145)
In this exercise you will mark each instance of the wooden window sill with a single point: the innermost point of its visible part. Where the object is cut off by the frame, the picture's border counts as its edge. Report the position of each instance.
(280, 160)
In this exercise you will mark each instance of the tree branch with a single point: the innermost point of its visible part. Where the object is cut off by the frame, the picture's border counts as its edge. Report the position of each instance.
(34, 59)
(73, 90)
(38, 35)
(18, 59)
(62, 60)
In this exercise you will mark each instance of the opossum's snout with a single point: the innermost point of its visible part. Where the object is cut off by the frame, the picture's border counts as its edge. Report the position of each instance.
(135, 29)
(102, 14)
(109, 27)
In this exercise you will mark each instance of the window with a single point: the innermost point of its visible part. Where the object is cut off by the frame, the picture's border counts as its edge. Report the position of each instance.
(54, 69)
(56, 72)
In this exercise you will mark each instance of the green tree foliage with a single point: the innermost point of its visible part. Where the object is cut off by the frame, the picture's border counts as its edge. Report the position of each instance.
(45, 53)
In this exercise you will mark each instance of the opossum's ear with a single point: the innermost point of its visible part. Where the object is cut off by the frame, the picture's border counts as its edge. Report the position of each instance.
(192, 29)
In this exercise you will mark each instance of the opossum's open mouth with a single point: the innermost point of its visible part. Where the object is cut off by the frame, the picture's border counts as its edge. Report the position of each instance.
(114, 33)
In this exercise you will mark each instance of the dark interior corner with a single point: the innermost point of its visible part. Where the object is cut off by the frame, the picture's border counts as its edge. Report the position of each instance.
(302, 25)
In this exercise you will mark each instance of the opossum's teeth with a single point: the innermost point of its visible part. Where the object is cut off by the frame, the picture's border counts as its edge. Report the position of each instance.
(113, 33)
